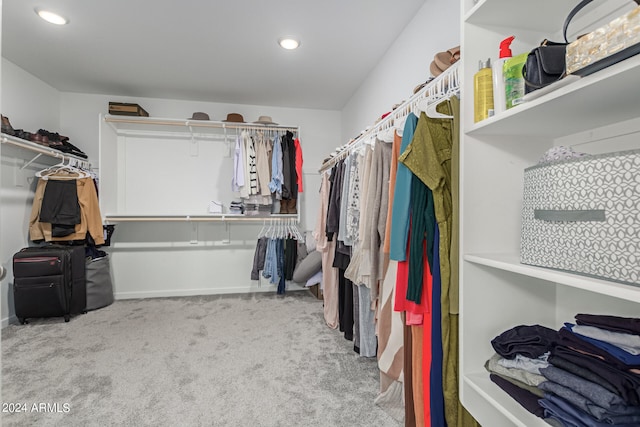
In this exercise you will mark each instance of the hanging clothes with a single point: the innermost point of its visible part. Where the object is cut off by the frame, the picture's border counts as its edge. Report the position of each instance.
(251, 164)
(281, 267)
(327, 249)
(263, 155)
(344, 196)
(335, 193)
(290, 177)
(390, 322)
(90, 217)
(60, 207)
(277, 178)
(402, 198)
(237, 180)
(352, 200)
(429, 157)
(379, 196)
(290, 257)
(259, 258)
(245, 190)
(299, 162)
(274, 264)
(359, 268)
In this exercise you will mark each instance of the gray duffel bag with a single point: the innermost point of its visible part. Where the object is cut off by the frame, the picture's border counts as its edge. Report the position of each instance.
(99, 283)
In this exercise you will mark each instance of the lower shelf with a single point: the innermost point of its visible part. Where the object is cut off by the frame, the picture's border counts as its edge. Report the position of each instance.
(511, 262)
(492, 406)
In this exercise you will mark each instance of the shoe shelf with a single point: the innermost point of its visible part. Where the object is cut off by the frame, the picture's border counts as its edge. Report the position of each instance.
(40, 150)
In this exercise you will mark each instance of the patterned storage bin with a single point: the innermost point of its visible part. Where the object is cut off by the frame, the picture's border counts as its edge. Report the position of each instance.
(583, 216)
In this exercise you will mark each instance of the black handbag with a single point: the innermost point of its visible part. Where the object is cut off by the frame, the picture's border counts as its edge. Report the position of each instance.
(547, 63)
(544, 65)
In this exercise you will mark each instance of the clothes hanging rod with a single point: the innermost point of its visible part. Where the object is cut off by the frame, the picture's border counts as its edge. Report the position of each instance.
(195, 123)
(449, 80)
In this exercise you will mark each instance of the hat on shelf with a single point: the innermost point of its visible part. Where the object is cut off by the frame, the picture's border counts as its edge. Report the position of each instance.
(265, 120)
(443, 60)
(422, 85)
(199, 116)
(235, 118)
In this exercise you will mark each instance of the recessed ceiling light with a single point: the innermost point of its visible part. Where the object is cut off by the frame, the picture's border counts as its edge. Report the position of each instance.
(51, 17)
(288, 43)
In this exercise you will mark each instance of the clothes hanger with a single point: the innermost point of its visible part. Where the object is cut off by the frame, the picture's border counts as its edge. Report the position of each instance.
(431, 110)
(263, 230)
(443, 88)
(296, 231)
(436, 95)
(291, 234)
(51, 171)
(386, 134)
(269, 233)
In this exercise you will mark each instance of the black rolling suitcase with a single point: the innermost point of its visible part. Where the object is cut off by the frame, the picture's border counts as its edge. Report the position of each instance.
(49, 281)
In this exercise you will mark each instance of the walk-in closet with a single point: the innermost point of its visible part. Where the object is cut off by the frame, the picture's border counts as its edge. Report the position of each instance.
(366, 213)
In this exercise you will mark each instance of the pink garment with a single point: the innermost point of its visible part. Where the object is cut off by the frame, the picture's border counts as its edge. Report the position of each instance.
(415, 312)
(299, 161)
(327, 249)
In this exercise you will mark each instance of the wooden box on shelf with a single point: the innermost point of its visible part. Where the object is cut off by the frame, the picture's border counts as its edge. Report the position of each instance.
(124, 109)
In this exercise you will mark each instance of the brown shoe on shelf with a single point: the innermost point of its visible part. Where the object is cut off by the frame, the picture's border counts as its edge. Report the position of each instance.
(6, 126)
(292, 206)
(40, 139)
(284, 206)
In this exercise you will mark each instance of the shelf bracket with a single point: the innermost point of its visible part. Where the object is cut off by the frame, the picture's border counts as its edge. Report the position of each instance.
(194, 231)
(230, 147)
(31, 161)
(227, 227)
(194, 142)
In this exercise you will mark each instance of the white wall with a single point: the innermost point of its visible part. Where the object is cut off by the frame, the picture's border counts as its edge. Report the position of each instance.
(30, 104)
(435, 28)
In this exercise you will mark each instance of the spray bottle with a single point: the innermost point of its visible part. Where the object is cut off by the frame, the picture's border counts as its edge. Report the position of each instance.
(482, 92)
(499, 90)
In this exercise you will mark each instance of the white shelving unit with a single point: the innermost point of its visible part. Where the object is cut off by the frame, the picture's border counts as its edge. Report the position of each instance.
(145, 161)
(157, 179)
(596, 114)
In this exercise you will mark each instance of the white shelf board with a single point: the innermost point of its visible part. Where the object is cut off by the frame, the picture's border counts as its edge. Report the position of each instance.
(531, 15)
(111, 218)
(603, 98)
(23, 144)
(480, 383)
(511, 262)
(133, 124)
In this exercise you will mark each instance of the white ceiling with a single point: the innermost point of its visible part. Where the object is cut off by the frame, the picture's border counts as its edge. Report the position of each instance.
(217, 51)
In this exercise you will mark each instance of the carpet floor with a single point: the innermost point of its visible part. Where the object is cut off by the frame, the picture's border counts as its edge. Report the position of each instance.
(231, 360)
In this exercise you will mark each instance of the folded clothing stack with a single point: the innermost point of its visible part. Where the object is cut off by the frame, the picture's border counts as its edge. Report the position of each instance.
(236, 208)
(584, 374)
(255, 209)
